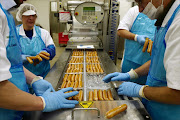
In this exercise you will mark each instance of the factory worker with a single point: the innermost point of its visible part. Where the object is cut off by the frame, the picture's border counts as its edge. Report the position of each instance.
(14, 77)
(135, 27)
(162, 92)
(34, 40)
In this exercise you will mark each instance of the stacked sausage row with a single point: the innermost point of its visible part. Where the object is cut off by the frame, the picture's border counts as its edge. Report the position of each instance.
(100, 95)
(74, 74)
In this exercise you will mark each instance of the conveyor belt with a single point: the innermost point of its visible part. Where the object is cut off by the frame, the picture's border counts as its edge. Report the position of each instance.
(135, 109)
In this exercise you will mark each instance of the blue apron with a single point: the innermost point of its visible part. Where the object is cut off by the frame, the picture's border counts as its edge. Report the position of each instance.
(33, 47)
(133, 55)
(18, 77)
(157, 77)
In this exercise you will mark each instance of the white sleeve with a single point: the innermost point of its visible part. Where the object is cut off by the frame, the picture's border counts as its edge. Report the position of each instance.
(172, 54)
(128, 20)
(4, 62)
(45, 35)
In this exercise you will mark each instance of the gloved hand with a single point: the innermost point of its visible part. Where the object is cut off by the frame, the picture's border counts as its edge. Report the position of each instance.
(140, 39)
(40, 86)
(24, 58)
(57, 100)
(116, 76)
(129, 89)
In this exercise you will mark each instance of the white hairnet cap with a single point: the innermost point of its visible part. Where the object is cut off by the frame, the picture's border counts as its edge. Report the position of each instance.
(25, 9)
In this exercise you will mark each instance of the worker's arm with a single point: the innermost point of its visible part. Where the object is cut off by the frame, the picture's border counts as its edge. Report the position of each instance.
(162, 94)
(29, 75)
(126, 34)
(144, 69)
(132, 74)
(16, 99)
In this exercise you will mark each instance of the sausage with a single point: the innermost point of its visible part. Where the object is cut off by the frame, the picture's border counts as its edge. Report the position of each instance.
(95, 95)
(45, 53)
(29, 60)
(145, 45)
(39, 58)
(69, 77)
(90, 95)
(68, 84)
(72, 84)
(65, 77)
(63, 84)
(76, 84)
(150, 46)
(105, 95)
(76, 97)
(73, 77)
(111, 113)
(80, 97)
(44, 56)
(80, 84)
(109, 95)
(100, 96)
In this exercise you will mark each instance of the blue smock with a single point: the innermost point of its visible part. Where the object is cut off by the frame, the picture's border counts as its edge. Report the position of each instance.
(13, 50)
(157, 77)
(32, 47)
(133, 55)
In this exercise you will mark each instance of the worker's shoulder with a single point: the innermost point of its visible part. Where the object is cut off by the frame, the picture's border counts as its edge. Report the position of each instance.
(177, 19)
(2, 15)
(135, 8)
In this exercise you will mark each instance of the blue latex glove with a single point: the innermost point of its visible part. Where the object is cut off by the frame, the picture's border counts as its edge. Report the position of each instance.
(51, 50)
(57, 100)
(141, 39)
(129, 89)
(24, 58)
(40, 86)
(116, 76)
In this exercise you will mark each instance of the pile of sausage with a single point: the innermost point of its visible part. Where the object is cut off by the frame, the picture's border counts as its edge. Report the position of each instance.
(100, 95)
(72, 80)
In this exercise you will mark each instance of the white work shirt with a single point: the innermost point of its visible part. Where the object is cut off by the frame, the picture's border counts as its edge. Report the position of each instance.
(45, 35)
(4, 62)
(172, 52)
(128, 20)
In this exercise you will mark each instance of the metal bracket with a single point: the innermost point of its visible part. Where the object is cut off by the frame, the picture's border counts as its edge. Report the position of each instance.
(75, 109)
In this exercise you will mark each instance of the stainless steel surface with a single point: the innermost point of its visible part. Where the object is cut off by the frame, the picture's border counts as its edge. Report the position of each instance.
(85, 87)
(75, 109)
(135, 111)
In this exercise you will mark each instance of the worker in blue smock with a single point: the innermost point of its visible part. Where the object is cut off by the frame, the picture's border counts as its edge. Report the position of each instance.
(135, 27)
(34, 40)
(14, 96)
(162, 90)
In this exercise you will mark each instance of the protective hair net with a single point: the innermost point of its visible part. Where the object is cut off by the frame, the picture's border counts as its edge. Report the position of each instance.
(23, 8)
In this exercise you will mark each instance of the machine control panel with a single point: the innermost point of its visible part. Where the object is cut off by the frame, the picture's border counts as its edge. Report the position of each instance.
(89, 13)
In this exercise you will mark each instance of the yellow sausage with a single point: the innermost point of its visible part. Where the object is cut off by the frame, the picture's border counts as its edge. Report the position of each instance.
(90, 95)
(45, 53)
(39, 58)
(145, 45)
(100, 96)
(80, 97)
(76, 84)
(95, 95)
(63, 84)
(115, 111)
(44, 56)
(109, 94)
(29, 60)
(105, 95)
(150, 46)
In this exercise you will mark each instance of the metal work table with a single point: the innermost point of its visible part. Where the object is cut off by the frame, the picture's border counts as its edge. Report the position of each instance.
(135, 110)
